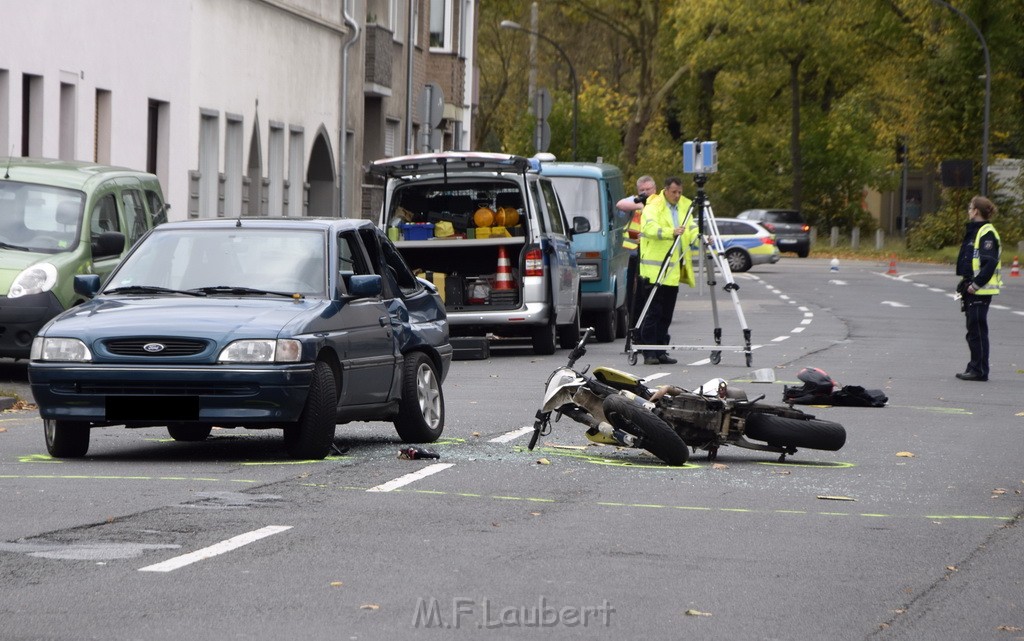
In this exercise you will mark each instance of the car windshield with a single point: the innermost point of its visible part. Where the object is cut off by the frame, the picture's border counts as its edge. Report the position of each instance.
(39, 217)
(231, 260)
(580, 197)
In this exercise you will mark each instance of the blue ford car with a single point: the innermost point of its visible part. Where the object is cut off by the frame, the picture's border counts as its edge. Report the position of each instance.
(296, 324)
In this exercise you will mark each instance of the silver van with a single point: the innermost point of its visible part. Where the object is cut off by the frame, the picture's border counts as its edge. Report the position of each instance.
(489, 231)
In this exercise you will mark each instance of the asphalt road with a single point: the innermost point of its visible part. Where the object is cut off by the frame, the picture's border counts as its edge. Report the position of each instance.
(909, 532)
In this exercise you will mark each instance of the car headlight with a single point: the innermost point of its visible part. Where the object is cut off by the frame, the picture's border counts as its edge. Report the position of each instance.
(36, 279)
(262, 351)
(69, 350)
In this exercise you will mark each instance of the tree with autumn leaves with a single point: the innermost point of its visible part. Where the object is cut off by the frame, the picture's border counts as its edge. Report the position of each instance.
(806, 98)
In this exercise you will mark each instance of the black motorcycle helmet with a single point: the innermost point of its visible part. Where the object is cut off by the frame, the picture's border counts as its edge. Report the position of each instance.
(818, 386)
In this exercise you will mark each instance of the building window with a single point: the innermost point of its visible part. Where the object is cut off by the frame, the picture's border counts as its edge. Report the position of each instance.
(68, 119)
(157, 138)
(31, 115)
(233, 165)
(275, 170)
(296, 174)
(104, 117)
(390, 136)
(209, 163)
(441, 25)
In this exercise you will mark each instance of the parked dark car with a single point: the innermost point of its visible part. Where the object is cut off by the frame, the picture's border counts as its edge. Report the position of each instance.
(792, 234)
(297, 324)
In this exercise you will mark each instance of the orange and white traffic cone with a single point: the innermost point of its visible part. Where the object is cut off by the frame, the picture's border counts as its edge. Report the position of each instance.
(1015, 268)
(504, 279)
(892, 265)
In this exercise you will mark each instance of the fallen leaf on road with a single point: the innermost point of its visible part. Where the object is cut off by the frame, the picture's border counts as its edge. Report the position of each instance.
(697, 613)
(999, 490)
(369, 606)
(543, 461)
(1009, 628)
(825, 497)
(476, 434)
(951, 568)
(336, 584)
(905, 454)
(781, 472)
(3, 429)
(719, 466)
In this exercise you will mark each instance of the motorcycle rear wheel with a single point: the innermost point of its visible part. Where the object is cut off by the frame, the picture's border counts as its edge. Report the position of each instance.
(812, 434)
(658, 438)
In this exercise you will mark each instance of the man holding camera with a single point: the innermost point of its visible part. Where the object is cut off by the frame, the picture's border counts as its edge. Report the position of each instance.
(645, 186)
(664, 219)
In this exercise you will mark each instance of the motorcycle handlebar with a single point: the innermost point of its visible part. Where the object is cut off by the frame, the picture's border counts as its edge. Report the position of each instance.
(581, 348)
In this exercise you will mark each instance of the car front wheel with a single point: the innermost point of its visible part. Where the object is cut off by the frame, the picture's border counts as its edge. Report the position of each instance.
(421, 411)
(311, 437)
(66, 439)
(739, 260)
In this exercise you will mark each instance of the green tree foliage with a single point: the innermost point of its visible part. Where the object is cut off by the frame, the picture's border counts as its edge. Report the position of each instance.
(805, 97)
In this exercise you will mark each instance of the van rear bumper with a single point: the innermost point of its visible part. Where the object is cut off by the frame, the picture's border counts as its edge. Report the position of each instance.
(597, 301)
(21, 319)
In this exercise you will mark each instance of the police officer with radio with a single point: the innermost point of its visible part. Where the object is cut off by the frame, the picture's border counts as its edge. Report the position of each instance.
(978, 265)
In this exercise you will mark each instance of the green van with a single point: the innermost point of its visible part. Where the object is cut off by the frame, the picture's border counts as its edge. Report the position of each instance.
(59, 219)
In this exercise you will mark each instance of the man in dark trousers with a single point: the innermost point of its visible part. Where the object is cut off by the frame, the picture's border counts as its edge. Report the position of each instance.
(978, 265)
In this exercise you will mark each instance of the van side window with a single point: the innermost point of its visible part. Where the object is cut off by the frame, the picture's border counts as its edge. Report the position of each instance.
(553, 207)
(134, 215)
(104, 216)
(157, 209)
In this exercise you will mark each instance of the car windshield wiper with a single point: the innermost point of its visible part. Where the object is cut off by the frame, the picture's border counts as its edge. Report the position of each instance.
(238, 290)
(4, 245)
(150, 289)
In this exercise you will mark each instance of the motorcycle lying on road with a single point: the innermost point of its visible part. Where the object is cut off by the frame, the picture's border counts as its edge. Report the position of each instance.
(618, 408)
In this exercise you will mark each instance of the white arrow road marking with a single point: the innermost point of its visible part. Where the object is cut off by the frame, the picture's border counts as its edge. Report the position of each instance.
(410, 478)
(893, 303)
(215, 549)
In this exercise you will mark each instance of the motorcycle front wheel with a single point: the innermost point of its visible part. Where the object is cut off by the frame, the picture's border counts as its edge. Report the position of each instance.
(811, 434)
(658, 438)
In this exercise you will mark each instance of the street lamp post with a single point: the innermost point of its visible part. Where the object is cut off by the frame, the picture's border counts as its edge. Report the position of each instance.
(509, 24)
(988, 93)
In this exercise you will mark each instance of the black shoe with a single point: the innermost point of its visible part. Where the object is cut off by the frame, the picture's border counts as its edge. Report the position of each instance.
(665, 359)
(651, 360)
(971, 376)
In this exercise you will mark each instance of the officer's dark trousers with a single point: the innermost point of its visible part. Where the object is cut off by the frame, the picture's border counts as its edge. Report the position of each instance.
(654, 330)
(976, 309)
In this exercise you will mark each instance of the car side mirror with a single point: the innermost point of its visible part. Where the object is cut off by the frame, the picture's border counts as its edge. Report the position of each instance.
(109, 243)
(86, 285)
(580, 225)
(365, 285)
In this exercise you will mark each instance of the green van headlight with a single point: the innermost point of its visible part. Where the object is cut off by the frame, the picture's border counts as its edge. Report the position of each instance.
(36, 279)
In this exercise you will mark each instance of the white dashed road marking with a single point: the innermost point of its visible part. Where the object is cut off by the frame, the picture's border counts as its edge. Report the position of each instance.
(411, 478)
(214, 550)
(511, 436)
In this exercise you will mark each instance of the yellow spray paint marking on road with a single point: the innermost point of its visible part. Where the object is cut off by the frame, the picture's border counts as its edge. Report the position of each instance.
(38, 458)
(291, 462)
(600, 460)
(956, 411)
(86, 477)
(825, 465)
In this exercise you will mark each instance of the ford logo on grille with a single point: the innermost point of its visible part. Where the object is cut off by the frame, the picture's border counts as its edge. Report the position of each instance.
(153, 348)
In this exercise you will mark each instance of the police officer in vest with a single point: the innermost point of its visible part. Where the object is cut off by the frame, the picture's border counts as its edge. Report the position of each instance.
(979, 267)
(645, 186)
(664, 218)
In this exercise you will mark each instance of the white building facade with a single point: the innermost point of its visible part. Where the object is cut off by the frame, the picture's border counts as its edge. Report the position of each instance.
(241, 107)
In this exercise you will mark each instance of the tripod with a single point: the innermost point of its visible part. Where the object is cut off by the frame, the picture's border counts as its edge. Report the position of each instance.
(711, 253)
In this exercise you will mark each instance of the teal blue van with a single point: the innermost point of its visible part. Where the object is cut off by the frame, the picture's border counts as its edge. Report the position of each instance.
(59, 219)
(591, 190)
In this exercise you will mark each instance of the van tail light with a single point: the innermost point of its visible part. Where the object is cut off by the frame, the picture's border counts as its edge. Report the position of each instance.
(534, 262)
(806, 228)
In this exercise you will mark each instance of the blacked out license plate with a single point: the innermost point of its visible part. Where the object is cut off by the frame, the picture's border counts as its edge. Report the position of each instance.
(145, 408)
